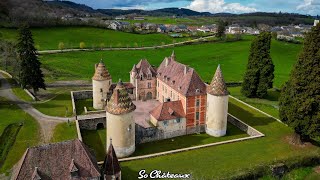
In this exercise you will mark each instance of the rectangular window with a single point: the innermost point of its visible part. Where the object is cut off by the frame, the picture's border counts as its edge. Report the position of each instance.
(178, 120)
(171, 94)
(158, 83)
(197, 116)
(198, 103)
(149, 84)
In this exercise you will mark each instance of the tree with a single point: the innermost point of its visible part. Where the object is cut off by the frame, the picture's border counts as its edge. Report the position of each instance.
(258, 77)
(61, 46)
(82, 45)
(30, 74)
(221, 29)
(299, 102)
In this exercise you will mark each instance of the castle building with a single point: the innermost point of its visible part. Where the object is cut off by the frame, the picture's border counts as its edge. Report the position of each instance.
(144, 76)
(64, 160)
(111, 169)
(120, 122)
(101, 82)
(217, 106)
(178, 82)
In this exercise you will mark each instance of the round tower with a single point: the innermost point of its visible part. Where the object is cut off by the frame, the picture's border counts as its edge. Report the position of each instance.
(120, 122)
(217, 106)
(101, 82)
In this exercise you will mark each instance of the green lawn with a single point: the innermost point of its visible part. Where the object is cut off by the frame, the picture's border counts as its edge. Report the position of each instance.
(60, 106)
(49, 38)
(232, 56)
(229, 160)
(96, 140)
(64, 131)
(80, 104)
(17, 90)
(29, 134)
(268, 105)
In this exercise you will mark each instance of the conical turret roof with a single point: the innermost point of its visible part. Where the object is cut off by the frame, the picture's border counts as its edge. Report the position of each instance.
(111, 165)
(101, 73)
(218, 87)
(120, 102)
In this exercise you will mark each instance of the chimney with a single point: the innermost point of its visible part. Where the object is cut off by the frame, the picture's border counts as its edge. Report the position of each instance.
(167, 62)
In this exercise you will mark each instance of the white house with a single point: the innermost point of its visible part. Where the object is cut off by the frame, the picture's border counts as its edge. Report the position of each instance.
(315, 22)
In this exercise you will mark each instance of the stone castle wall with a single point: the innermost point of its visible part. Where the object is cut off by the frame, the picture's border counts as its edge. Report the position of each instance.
(92, 124)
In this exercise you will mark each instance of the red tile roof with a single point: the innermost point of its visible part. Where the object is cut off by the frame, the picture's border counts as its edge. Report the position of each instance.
(53, 161)
(180, 77)
(144, 68)
(111, 165)
(120, 102)
(101, 73)
(168, 110)
(218, 87)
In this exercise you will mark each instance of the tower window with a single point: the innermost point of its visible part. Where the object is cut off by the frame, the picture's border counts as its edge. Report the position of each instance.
(130, 127)
(101, 90)
(141, 77)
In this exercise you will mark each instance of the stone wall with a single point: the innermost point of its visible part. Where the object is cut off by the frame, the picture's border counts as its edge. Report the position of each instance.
(144, 135)
(243, 126)
(92, 124)
(79, 95)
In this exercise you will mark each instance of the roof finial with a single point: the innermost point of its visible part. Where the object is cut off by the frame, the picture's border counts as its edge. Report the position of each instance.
(110, 140)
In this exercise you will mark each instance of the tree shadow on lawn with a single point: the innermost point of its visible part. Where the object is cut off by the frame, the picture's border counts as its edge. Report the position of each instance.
(248, 117)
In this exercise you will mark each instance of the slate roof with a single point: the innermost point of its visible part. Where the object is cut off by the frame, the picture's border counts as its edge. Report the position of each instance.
(218, 87)
(144, 68)
(180, 77)
(111, 165)
(101, 73)
(168, 110)
(53, 161)
(120, 102)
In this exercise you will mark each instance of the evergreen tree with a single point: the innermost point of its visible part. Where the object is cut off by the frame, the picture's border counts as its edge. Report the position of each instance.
(30, 74)
(221, 30)
(299, 104)
(259, 75)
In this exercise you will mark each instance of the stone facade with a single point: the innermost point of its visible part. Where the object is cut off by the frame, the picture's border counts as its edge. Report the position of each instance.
(170, 128)
(92, 123)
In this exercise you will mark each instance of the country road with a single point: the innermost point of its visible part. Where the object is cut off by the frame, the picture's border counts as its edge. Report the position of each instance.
(124, 48)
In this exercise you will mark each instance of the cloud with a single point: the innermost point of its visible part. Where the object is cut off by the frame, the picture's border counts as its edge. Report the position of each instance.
(217, 6)
(309, 6)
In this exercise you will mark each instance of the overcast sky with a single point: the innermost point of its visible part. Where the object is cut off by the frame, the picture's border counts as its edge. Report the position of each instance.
(214, 6)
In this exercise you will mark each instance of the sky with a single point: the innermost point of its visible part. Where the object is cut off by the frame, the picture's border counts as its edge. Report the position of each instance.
(311, 7)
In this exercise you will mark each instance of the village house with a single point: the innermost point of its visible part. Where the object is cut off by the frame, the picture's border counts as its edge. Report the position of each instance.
(119, 25)
(234, 29)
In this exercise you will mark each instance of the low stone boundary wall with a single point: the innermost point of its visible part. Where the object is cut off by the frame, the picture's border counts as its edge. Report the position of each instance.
(6, 73)
(243, 126)
(79, 95)
(78, 130)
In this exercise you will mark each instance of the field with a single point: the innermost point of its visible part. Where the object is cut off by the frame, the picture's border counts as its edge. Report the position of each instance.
(27, 136)
(230, 160)
(49, 38)
(232, 56)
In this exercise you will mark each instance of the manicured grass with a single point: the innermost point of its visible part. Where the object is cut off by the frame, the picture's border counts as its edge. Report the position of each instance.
(29, 134)
(229, 160)
(96, 140)
(60, 106)
(187, 141)
(49, 38)
(268, 105)
(64, 131)
(17, 90)
(232, 56)
(80, 104)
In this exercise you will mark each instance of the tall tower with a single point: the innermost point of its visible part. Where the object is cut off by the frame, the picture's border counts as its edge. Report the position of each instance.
(217, 106)
(101, 82)
(120, 122)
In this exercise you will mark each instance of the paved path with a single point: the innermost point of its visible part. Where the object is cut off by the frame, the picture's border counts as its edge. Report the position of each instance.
(124, 48)
(47, 123)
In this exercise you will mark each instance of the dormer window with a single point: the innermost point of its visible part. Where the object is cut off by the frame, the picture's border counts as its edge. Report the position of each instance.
(141, 77)
(173, 82)
(197, 90)
(149, 76)
(74, 171)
